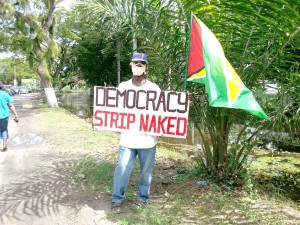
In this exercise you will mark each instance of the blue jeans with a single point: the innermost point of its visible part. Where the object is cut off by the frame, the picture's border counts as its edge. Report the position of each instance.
(3, 128)
(124, 168)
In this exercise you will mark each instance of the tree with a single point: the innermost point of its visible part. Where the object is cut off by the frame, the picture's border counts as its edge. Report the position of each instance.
(118, 19)
(155, 27)
(12, 68)
(96, 57)
(63, 69)
(29, 28)
(257, 41)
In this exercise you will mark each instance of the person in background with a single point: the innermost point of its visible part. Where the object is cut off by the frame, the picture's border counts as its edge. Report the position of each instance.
(5, 107)
(132, 144)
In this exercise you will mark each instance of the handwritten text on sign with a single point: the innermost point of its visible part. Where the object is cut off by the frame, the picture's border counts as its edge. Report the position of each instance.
(142, 111)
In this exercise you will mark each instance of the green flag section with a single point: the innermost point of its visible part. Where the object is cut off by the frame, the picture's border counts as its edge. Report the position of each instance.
(208, 65)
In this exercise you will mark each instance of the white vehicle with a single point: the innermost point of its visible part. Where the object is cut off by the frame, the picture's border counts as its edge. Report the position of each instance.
(23, 90)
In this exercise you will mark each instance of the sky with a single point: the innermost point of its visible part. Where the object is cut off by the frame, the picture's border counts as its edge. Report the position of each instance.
(66, 3)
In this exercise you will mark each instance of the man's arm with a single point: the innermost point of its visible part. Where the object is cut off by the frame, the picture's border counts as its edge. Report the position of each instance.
(13, 109)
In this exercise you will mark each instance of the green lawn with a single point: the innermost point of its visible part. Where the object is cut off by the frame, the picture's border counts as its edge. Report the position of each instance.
(175, 199)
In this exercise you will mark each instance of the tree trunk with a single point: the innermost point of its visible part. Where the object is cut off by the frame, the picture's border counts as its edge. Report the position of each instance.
(42, 30)
(43, 72)
(51, 97)
(46, 84)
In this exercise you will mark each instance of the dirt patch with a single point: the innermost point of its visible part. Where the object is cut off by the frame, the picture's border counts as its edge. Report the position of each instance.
(35, 182)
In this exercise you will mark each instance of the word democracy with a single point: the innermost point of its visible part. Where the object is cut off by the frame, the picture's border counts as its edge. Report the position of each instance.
(168, 101)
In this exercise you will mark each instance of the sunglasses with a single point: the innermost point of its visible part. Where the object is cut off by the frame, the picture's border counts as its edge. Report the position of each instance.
(137, 62)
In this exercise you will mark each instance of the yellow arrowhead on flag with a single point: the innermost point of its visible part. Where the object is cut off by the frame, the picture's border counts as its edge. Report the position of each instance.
(234, 84)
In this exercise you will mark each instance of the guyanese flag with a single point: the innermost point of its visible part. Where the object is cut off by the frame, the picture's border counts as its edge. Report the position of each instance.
(208, 65)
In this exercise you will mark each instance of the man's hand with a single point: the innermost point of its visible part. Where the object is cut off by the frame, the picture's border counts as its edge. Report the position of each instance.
(16, 119)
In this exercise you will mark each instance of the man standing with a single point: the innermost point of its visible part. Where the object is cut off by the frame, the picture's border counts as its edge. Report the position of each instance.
(133, 144)
(5, 106)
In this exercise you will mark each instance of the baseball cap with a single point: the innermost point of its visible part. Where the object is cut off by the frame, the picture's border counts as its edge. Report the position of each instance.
(139, 57)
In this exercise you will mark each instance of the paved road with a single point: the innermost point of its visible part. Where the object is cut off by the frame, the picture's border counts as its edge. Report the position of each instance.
(35, 188)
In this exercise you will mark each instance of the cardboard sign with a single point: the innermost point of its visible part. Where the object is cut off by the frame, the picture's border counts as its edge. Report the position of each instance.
(163, 113)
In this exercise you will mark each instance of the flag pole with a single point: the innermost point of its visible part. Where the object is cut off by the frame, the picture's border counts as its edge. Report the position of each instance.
(187, 53)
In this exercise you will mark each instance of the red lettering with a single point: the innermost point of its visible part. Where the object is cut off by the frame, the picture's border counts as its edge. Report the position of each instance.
(96, 117)
(105, 117)
(130, 119)
(152, 124)
(170, 125)
(160, 124)
(114, 119)
(101, 121)
(122, 115)
(144, 123)
(179, 125)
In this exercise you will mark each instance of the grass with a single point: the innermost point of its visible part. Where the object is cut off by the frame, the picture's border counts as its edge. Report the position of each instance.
(70, 132)
(278, 173)
(96, 175)
(175, 199)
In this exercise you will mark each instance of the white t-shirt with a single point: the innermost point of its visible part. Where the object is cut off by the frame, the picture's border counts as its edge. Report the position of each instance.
(134, 140)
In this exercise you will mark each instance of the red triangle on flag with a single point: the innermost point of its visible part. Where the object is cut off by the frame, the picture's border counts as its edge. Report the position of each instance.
(196, 67)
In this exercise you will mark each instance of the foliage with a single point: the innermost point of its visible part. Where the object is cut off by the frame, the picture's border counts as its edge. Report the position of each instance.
(95, 56)
(258, 48)
(259, 42)
(64, 69)
(11, 67)
(95, 39)
(28, 28)
(94, 173)
(278, 173)
(149, 24)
